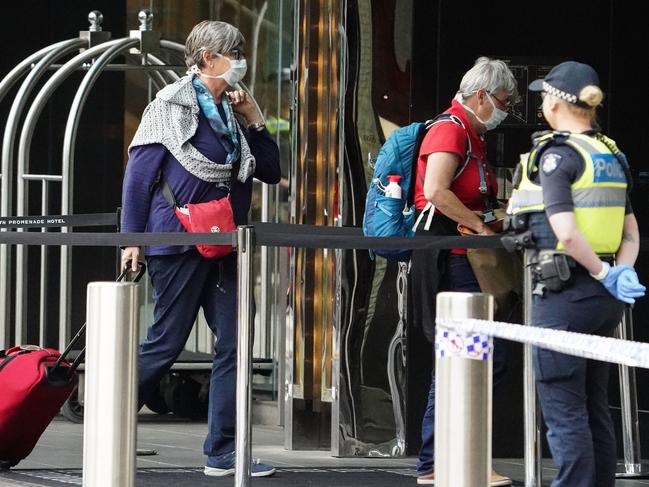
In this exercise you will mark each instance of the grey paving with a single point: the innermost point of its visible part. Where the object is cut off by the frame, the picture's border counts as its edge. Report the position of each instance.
(57, 461)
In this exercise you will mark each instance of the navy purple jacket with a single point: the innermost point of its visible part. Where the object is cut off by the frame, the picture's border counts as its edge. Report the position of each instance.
(144, 209)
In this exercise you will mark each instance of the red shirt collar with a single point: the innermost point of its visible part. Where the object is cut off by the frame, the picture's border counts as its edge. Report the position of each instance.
(458, 110)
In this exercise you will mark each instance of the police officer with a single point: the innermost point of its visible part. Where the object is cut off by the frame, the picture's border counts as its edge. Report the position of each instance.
(572, 197)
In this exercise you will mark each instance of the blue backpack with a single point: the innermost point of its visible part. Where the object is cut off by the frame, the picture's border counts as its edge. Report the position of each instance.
(394, 217)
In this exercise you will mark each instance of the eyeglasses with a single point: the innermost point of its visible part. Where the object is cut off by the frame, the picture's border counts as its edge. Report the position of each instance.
(237, 54)
(506, 104)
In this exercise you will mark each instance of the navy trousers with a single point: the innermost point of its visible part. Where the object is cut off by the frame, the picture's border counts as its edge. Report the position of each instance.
(459, 277)
(183, 283)
(573, 391)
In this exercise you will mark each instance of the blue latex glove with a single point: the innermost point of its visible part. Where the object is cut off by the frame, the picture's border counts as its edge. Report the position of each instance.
(628, 286)
(610, 281)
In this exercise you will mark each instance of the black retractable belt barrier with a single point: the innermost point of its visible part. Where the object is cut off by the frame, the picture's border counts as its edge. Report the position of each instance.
(313, 237)
(331, 239)
(114, 239)
(268, 234)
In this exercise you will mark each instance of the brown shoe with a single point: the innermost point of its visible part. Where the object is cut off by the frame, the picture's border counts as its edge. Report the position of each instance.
(426, 479)
(497, 479)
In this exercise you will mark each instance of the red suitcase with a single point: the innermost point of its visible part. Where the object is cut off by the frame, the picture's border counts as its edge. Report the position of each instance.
(34, 384)
(32, 390)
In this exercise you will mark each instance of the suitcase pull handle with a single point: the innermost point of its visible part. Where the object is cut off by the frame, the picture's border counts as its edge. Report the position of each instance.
(126, 271)
(70, 370)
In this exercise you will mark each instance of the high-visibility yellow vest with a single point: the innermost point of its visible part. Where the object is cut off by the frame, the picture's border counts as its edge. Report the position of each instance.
(599, 195)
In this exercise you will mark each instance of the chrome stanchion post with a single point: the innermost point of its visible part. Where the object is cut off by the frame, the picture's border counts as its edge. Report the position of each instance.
(110, 412)
(532, 448)
(633, 466)
(245, 323)
(463, 393)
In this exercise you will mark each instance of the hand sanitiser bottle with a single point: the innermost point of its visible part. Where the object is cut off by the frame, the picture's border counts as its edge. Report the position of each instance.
(393, 190)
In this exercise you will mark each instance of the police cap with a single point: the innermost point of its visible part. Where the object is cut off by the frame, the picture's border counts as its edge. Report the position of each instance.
(566, 80)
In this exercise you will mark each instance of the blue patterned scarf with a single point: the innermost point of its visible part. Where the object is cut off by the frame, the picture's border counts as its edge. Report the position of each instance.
(227, 134)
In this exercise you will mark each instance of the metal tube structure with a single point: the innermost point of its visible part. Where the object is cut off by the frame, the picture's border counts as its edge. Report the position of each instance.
(245, 324)
(67, 171)
(629, 407)
(30, 123)
(532, 447)
(37, 106)
(8, 149)
(156, 77)
(463, 394)
(128, 67)
(48, 56)
(110, 404)
(5, 202)
(29, 126)
(12, 76)
(42, 305)
(172, 75)
(173, 46)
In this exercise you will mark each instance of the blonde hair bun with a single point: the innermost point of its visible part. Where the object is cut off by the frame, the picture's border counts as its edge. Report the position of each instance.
(591, 95)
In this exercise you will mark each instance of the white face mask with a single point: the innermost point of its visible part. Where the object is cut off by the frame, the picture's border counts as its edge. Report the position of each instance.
(238, 69)
(496, 118)
(236, 72)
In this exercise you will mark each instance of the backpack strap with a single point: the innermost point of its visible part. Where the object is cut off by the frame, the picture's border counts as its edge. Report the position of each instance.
(430, 208)
(483, 187)
(448, 117)
(469, 149)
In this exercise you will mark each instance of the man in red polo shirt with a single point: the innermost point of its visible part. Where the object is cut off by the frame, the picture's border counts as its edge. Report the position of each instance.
(455, 185)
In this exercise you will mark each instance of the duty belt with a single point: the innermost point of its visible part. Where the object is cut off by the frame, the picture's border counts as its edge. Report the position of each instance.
(552, 270)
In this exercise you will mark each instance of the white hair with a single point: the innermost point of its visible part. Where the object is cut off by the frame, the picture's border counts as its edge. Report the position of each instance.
(490, 75)
(212, 36)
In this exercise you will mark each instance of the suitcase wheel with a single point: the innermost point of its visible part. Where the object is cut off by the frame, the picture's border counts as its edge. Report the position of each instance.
(7, 464)
(186, 396)
(157, 403)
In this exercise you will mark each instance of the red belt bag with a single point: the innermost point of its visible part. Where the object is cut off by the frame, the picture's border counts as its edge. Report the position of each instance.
(212, 217)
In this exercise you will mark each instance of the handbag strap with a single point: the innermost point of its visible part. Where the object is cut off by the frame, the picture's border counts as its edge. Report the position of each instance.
(166, 190)
(168, 194)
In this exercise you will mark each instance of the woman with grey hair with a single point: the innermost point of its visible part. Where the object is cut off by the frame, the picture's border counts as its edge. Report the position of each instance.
(200, 140)
(456, 186)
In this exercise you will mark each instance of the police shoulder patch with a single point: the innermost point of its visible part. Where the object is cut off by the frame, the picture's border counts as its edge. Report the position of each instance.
(549, 163)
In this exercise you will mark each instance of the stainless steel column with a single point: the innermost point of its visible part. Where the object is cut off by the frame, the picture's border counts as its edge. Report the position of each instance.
(245, 324)
(110, 413)
(532, 447)
(463, 394)
(633, 466)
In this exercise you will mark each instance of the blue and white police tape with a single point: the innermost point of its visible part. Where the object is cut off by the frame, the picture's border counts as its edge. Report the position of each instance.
(605, 349)
(455, 343)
